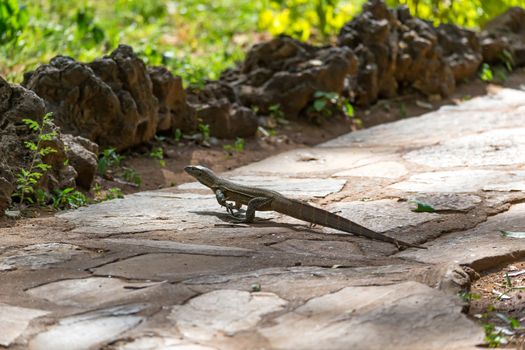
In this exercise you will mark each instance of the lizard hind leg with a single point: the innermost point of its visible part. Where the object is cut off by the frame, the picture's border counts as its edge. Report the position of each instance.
(253, 205)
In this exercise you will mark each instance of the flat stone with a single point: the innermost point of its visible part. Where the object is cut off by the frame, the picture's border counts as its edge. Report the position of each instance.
(460, 181)
(144, 212)
(481, 247)
(14, 321)
(153, 342)
(504, 109)
(88, 330)
(223, 312)
(92, 291)
(494, 147)
(177, 267)
(314, 161)
(186, 248)
(381, 215)
(386, 169)
(448, 201)
(328, 249)
(310, 187)
(404, 316)
(38, 256)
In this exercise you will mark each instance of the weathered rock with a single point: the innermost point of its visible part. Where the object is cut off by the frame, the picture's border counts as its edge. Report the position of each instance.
(109, 101)
(19, 103)
(82, 155)
(218, 107)
(14, 321)
(505, 33)
(174, 111)
(395, 50)
(287, 72)
(461, 50)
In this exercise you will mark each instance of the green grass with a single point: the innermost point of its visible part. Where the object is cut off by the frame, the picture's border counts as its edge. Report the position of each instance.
(196, 39)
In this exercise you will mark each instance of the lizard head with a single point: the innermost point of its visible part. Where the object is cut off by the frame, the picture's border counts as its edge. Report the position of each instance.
(204, 175)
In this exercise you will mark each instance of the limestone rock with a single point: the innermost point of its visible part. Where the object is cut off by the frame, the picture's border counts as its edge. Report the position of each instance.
(288, 72)
(505, 33)
(109, 101)
(174, 111)
(461, 49)
(82, 155)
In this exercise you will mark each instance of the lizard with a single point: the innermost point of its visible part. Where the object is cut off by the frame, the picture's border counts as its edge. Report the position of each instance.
(264, 200)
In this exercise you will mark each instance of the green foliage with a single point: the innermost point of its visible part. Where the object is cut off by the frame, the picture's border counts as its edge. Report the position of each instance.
(422, 207)
(305, 19)
(158, 153)
(13, 19)
(238, 145)
(468, 297)
(177, 135)
(493, 336)
(467, 13)
(132, 176)
(68, 198)
(109, 159)
(329, 104)
(113, 193)
(204, 129)
(28, 178)
(485, 73)
(277, 114)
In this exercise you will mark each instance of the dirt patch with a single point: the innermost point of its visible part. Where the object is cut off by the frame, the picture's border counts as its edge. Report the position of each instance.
(498, 303)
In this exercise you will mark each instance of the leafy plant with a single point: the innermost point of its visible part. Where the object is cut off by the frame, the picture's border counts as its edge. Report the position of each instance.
(69, 198)
(113, 193)
(238, 145)
(329, 104)
(28, 178)
(177, 135)
(467, 296)
(13, 19)
(204, 129)
(486, 73)
(109, 158)
(158, 153)
(132, 176)
(277, 114)
(493, 336)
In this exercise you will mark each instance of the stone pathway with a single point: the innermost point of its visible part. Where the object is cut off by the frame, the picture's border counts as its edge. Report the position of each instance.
(166, 270)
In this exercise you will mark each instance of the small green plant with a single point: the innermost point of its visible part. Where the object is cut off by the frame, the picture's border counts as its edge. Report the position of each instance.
(132, 176)
(158, 153)
(329, 104)
(109, 158)
(177, 135)
(28, 178)
(204, 129)
(238, 145)
(507, 59)
(402, 108)
(68, 198)
(277, 114)
(113, 193)
(468, 297)
(493, 336)
(486, 73)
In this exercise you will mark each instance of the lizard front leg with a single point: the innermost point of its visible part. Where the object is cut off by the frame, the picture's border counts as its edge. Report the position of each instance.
(222, 200)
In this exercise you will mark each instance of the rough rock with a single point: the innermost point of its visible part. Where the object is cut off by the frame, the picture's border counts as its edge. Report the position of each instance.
(395, 50)
(461, 50)
(14, 321)
(174, 111)
(82, 155)
(287, 72)
(109, 101)
(505, 33)
(218, 106)
(18, 103)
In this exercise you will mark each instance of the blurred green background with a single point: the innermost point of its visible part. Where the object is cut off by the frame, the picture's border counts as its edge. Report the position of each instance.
(196, 39)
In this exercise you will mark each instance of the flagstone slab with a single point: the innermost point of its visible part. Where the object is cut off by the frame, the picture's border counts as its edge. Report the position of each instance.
(14, 321)
(38, 256)
(482, 246)
(504, 109)
(223, 312)
(404, 316)
(462, 181)
(85, 331)
(384, 169)
(90, 292)
(494, 147)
